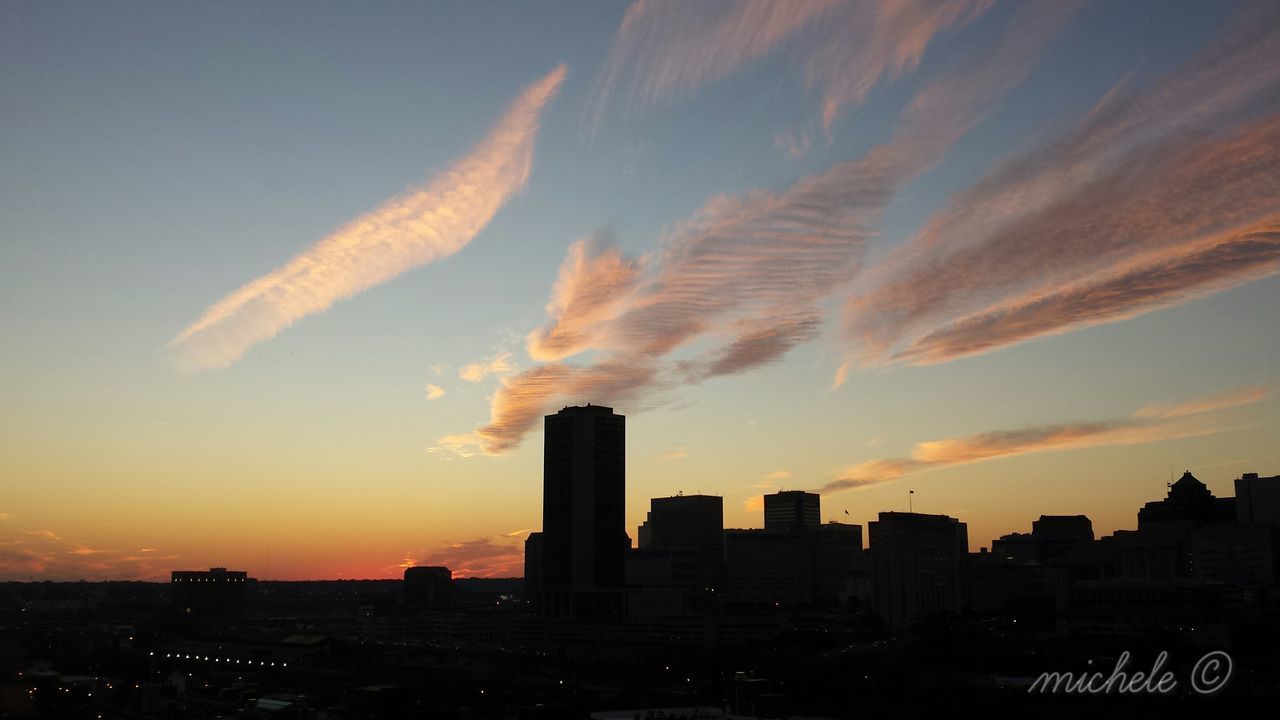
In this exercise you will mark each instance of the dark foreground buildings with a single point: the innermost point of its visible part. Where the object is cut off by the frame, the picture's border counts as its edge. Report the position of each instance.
(804, 622)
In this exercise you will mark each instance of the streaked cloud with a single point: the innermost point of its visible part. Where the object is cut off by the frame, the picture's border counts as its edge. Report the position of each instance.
(1153, 199)
(1179, 278)
(665, 50)
(776, 475)
(1147, 425)
(1222, 401)
(874, 41)
(497, 556)
(434, 392)
(475, 372)
(51, 556)
(742, 282)
(418, 227)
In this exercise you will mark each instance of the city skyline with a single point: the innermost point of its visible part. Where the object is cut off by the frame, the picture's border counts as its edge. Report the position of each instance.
(292, 295)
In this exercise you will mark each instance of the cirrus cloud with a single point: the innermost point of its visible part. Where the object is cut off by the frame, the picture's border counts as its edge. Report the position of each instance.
(418, 227)
(1150, 424)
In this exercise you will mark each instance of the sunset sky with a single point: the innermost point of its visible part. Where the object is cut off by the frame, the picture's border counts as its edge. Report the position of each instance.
(288, 287)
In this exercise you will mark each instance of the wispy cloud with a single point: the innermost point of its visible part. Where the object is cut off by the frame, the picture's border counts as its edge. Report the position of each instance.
(497, 556)
(1147, 425)
(1222, 401)
(794, 144)
(47, 555)
(460, 444)
(1154, 199)
(594, 280)
(742, 282)
(776, 475)
(434, 392)
(675, 453)
(1176, 279)
(666, 49)
(522, 400)
(418, 227)
(475, 372)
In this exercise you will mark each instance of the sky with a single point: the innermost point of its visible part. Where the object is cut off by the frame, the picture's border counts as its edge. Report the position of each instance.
(289, 288)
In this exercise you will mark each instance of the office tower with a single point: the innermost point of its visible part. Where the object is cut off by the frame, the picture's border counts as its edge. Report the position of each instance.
(791, 510)
(218, 592)
(689, 523)
(428, 586)
(916, 563)
(584, 538)
(1258, 500)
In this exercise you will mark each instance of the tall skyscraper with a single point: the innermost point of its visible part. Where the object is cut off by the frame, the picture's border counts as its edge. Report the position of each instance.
(792, 510)
(584, 538)
(916, 562)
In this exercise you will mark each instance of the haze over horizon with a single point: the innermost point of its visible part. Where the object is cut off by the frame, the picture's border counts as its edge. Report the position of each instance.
(291, 292)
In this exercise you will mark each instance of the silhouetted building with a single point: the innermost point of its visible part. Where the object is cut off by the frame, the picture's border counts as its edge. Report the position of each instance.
(533, 566)
(1133, 554)
(1052, 539)
(792, 511)
(1189, 504)
(1258, 500)
(840, 569)
(217, 592)
(693, 523)
(1057, 536)
(1017, 548)
(584, 538)
(795, 561)
(428, 586)
(917, 563)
